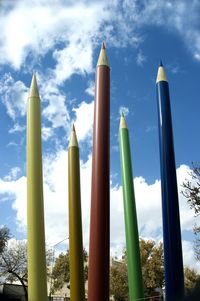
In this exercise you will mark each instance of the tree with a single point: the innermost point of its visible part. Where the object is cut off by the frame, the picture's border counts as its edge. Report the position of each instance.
(192, 193)
(118, 280)
(13, 264)
(152, 270)
(152, 261)
(4, 236)
(192, 280)
(60, 272)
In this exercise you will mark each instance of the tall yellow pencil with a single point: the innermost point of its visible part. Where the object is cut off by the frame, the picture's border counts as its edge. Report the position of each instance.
(37, 282)
(77, 289)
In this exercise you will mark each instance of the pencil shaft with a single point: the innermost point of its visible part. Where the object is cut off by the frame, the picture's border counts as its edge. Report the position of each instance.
(37, 283)
(77, 289)
(98, 284)
(173, 261)
(135, 281)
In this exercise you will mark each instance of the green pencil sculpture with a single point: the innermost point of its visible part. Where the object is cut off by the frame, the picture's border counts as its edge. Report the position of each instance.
(135, 281)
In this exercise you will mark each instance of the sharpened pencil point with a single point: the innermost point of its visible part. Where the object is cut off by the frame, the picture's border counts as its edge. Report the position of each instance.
(161, 64)
(73, 139)
(103, 46)
(103, 60)
(34, 88)
(161, 76)
(122, 124)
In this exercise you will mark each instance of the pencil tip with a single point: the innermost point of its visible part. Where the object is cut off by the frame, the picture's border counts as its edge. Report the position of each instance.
(33, 92)
(103, 60)
(103, 46)
(161, 64)
(161, 76)
(73, 139)
(122, 124)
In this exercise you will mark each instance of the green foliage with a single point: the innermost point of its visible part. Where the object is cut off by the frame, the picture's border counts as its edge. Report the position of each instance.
(192, 280)
(61, 273)
(152, 270)
(152, 265)
(192, 189)
(192, 193)
(119, 280)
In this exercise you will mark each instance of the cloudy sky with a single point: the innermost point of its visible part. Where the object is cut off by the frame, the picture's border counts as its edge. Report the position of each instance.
(60, 41)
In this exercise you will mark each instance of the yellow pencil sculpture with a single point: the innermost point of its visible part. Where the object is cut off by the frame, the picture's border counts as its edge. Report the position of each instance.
(37, 282)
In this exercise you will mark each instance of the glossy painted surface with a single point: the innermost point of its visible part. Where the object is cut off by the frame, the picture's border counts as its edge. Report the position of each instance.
(77, 288)
(99, 248)
(135, 281)
(174, 279)
(37, 281)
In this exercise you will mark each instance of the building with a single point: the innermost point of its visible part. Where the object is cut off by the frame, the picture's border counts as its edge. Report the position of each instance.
(14, 292)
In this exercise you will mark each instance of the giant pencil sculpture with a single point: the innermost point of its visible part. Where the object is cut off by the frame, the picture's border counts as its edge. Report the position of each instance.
(135, 281)
(77, 289)
(37, 282)
(174, 279)
(98, 282)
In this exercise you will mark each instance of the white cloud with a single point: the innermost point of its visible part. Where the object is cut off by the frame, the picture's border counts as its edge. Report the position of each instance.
(140, 59)
(16, 128)
(54, 106)
(84, 120)
(197, 56)
(47, 132)
(148, 203)
(12, 242)
(148, 200)
(177, 16)
(75, 58)
(14, 96)
(16, 191)
(13, 174)
(124, 110)
(42, 24)
(59, 30)
(56, 111)
(12, 143)
(189, 257)
(91, 88)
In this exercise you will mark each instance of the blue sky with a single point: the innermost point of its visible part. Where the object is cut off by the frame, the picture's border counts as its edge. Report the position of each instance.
(61, 42)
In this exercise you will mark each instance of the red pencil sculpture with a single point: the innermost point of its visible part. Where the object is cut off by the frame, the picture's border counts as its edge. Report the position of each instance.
(98, 274)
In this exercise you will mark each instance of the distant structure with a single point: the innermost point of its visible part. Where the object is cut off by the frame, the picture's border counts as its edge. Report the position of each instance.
(99, 249)
(12, 292)
(173, 261)
(37, 280)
